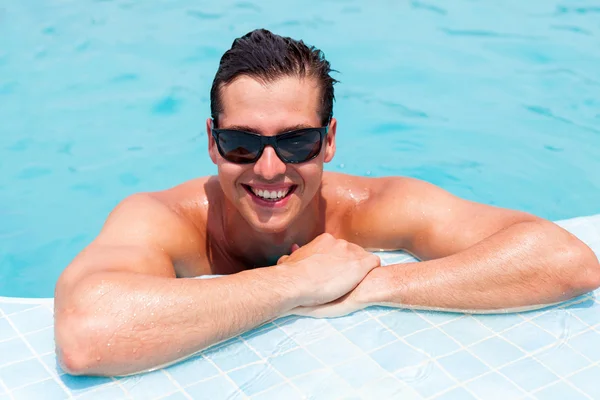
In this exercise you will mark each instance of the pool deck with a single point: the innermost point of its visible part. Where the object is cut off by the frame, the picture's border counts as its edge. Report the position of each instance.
(376, 353)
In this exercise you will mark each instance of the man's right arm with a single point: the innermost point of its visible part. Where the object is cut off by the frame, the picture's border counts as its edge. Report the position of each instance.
(119, 308)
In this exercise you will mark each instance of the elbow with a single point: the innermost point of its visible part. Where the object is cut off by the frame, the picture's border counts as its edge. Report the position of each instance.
(76, 353)
(584, 269)
(79, 330)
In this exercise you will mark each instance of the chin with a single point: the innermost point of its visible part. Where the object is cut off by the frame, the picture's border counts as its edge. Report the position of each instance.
(280, 225)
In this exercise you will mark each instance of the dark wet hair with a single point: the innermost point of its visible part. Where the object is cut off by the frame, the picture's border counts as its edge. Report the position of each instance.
(266, 56)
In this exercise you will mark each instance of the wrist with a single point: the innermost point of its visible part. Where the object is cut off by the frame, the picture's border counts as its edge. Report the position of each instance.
(376, 288)
(285, 281)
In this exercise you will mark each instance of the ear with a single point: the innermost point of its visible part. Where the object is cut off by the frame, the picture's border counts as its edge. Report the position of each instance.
(330, 141)
(212, 146)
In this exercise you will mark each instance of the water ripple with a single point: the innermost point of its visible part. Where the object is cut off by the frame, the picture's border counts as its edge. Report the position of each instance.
(546, 112)
(571, 28)
(167, 105)
(420, 5)
(484, 33)
(8, 88)
(577, 10)
(203, 15)
(391, 127)
(246, 5)
(34, 172)
(125, 77)
(404, 110)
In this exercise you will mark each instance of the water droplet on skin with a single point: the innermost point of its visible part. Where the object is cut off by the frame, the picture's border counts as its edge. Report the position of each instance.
(134, 351)
(98, 358)
(107, 344)
(179, 350)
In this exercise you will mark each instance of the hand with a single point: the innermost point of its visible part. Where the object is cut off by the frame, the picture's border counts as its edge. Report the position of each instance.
(327, 268)
(357, 299)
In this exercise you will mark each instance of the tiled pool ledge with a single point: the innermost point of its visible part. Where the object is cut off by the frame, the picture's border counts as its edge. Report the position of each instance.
(376, 353)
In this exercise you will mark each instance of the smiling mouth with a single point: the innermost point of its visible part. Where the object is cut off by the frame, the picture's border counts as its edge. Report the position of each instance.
(270, 195)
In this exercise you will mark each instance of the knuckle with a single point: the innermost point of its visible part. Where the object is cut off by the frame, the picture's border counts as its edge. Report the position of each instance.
(325, 236)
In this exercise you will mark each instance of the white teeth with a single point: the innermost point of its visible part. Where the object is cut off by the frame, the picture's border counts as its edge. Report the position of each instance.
(270, 195)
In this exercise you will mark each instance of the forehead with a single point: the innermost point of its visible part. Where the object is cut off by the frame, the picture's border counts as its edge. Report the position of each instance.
(270, 107)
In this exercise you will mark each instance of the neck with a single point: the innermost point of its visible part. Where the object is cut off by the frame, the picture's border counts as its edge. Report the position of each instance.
(258, 248)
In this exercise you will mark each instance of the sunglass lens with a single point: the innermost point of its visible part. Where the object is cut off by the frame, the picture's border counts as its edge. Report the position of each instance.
(239, 147)
(300, 147)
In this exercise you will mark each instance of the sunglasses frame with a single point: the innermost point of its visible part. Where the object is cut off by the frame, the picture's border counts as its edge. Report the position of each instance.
(271, 141)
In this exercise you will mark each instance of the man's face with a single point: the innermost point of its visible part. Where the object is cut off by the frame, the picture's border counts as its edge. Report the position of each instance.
(287, 104)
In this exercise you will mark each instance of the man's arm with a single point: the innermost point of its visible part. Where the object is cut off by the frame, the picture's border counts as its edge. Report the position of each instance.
(475, 257)
(120, 310)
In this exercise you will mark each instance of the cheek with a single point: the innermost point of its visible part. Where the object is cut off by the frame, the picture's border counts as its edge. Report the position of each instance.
(311, 175)
(228, 174)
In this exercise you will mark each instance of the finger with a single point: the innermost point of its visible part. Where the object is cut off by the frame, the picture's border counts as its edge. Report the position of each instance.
(372, 261)
(282, 259)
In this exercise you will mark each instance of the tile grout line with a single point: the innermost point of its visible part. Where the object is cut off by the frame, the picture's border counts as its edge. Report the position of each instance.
(527, 354)
(336, 332)
(431, 359)
(492, 369)
(224, 374)
(563, 378)
(177, 384)
(119, 384)
(568, 383)
(533, 355)
(8, 392)
(434, 360)
(285, 378)
(374, 318)
(55, 378)
(33, 307)
(495, 334)
(8, 364)
(28, 333)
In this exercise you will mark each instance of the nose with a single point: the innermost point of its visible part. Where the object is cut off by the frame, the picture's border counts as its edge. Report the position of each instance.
(269, 166)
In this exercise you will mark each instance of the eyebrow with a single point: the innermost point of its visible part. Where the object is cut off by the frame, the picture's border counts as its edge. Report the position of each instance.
(254, 130)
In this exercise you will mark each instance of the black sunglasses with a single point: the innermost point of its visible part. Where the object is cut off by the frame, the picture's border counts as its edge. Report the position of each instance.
(293, 147)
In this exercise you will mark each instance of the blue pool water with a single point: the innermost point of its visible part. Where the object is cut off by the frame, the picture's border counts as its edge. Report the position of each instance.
(498, 102)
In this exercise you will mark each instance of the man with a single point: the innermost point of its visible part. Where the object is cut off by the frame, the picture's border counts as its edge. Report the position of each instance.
(120, 307)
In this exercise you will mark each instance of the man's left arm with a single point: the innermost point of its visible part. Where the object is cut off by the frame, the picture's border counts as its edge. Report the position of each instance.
(474, 257)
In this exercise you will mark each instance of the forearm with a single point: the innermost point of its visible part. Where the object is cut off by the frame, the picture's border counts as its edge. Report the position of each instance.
(524, 265)
(118, 323)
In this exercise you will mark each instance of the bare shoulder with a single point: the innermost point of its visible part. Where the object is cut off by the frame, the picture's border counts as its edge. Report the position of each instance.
(147, 227)
(178, 215)
(362, 193)
(190, 199)
(382, 212)
(351, 201)
(370, 187)
(418, 216)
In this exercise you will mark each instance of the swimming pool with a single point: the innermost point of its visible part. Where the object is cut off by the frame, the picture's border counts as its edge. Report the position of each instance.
(495, 102)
